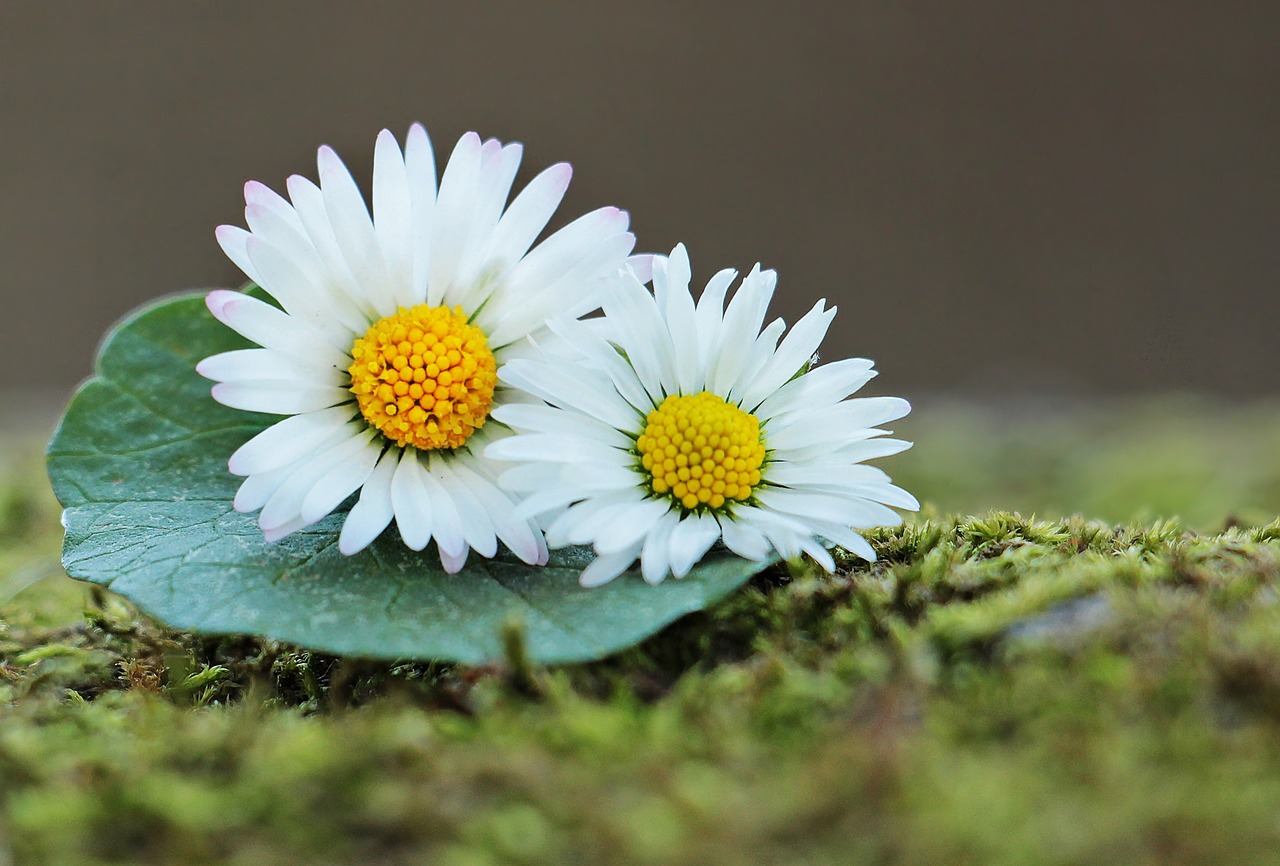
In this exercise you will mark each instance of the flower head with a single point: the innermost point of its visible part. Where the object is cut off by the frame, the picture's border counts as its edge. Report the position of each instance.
(391, 329)
(682, 424)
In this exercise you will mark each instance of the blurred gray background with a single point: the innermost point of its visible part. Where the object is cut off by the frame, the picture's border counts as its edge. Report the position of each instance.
(1001, 196)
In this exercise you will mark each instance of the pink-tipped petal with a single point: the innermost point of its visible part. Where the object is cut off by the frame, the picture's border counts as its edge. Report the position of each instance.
(217, 302)
(453, 562)
(642, 266)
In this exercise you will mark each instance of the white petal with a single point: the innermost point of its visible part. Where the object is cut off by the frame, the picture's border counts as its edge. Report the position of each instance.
(477, 527)
(411, 503)
(789, 359)
(373, 512)
(742, 320)
(655, 559)
(846, 538)
(232, 239)
(587, 478)
(497, 171)
(584, 391)
(783, 532)
(548, 500)
(446, 524)
(265, 364)
(260, 486)
(835, 423)
(420, 166)
(581, 523)
(788, 474)
(631, 526)
(353, 230)
(601, 476)
(574, 294)
(285, 504)
(710, 314)
(582, 342)
(562, 251)
(873, 448)
(393, 216)
(671, 274)
(884, 493)
(302, 299)
(294, 275)
(271, 328)
(529, 476)
(289, 440)
(255, 490)
(279, 398)
(267, 201)
(856, 449)
(821, 386)
(454, 212)
(527, 216)
(643, 335)
(276, 533)
(844, 510)
(605, 568)
(690, 540)
(531, 417)
(308, 202)
(819, 554)
(535, 446)
(671, 292)
(641, 266)
(451, 562)
(341, 481)
(742, 539)
(519, 534)
(278, 226)
(762, 350)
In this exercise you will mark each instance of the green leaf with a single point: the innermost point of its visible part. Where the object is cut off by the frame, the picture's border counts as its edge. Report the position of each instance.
(139, 463)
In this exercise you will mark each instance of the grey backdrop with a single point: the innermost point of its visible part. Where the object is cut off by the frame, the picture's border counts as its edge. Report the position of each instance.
(1000, 195)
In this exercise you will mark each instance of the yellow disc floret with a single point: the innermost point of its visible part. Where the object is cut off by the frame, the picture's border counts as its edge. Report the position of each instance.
(424, 377)
(701, 451)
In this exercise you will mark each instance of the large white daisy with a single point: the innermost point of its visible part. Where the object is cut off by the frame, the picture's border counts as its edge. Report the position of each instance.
(668, 426)
(392, 328)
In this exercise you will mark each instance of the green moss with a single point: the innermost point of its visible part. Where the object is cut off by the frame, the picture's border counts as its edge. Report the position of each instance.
(994, 690)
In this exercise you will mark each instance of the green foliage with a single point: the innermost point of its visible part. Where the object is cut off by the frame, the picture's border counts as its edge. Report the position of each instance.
(1195, 458)
(997, 689)
(139, 461)
(942, 705)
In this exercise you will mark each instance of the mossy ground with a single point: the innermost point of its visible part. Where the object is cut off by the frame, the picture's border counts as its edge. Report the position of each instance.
(996, 689)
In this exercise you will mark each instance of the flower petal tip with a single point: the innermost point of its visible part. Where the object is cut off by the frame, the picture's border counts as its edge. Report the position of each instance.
(562, 172)
(271, 536)
(328, 162)
(218, 300)
(254, 191)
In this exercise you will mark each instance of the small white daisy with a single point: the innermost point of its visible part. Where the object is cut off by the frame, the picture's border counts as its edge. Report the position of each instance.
(393, 327)
(668, 426)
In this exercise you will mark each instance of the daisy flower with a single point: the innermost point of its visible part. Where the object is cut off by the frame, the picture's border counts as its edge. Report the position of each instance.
(668, 426)
(390, 331)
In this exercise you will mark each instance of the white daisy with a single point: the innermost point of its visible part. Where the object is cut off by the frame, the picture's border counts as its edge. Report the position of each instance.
(392, 330)
(668, 426)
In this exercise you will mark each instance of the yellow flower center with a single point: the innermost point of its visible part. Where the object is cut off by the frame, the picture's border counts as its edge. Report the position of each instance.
(424, 377)
(701, 451)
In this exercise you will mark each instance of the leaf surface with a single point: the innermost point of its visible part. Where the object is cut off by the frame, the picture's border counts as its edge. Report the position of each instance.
(139, 464)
